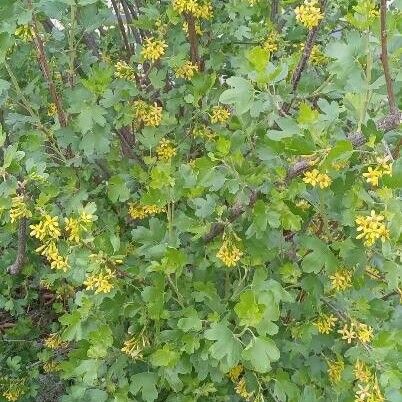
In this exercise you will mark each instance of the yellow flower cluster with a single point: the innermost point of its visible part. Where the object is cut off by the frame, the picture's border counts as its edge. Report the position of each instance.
(124, 71)
(309, 13)
(149, 115)
(362, 372)
(165, 150)
(53, 341)
(47, 227)
(361, 332)
(76, 226)
(187, 70)
(203, 132)
(199, 9)
(241, 390)
(198, 29)
(335, 370)
(229, 253)
(25, 33)
(317, 57)
(271, 44)
(51, 252)
(369, 392)
(219, 114)
(315, 178)
(235, 372)
(303, 204)
(19, 209)
(341, 280)
(134, 346)
(383, 168)
(12, 388)
(153, 49)
(51, 110)
(101, 282)
(373, 273)
(50, 366)
(137, 211)
(325, 323)
(372, 227)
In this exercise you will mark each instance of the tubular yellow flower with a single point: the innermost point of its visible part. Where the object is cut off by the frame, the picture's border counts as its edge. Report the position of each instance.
(47, 227)
(53, 341)
(165, 150)
(229, 253)
(341, 280)
(364, 333)
(372, 176)
(309, 13)
(13, 388)
(325, 323)
(384, 166)
(153, 49)
(362, 372)
(51, 110)
(198, 8)
(198, 29)
(203, 132)
(149, 115)
(372, 228)
(335, 370)
(315, 178)
(317, 57)
(134, 346)
(137, 211)
(102, 282)
(124, 71)
(186, 71)
(219, 114)
(241, 389)
(51, 366)
(271, 44)
(348, 333)
(25, 33)
(19, 209)
(235, 372)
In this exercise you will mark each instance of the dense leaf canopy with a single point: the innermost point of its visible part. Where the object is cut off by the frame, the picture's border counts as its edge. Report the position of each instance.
(200, 200)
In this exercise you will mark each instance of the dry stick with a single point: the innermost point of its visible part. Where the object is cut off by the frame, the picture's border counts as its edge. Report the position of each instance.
(16, 266)
(46, 71)
(192, 37)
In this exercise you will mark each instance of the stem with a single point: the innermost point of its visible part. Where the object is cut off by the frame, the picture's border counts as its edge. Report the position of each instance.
(71, 74)
(384, 57)
(15, 268)
(192, 37)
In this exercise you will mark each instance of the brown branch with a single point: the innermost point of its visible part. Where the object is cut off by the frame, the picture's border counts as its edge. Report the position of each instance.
(16, 266)
(274, 11)
(46, 71)
(122, 29)
(127, 143)
(384, 57)
(234, 213)
(192, 37)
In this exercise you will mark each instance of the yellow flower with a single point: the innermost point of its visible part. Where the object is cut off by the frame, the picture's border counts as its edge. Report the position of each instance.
(271, 44)
(362, 372)
(309, 13)
(341, 280)
(235, 372)
(325, 323)
(101, 282)
(372, 176)
(372, 228)
(149, 115)
(335, 370)
(124, 71)
(186, 71)
(198, 29)
(364, 333)
(47, 227)
(153, 49)
(19, 209)
(53, 341)
(363, 392)
(198, 8)
(229, 253)
(348, 333)
(134, 346)
(219, 114)
(51, 110)
(13, 388)
(137, 211)
(373, 273)
(25, 33)
(165, 150)
(315, 178)
(241, 390)
(317, 57)
(51, 252)
(384, 166)
(51, 366)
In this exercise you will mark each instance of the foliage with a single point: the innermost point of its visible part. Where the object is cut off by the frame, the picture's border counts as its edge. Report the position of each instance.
(200, 200)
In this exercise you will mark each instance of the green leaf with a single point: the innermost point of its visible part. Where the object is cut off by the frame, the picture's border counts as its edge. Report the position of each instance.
(226, 348)
(260, 352)
(100, 339)
(319, 257)
(164, 357)
(307, 115)
(146, 383)
(117, 189)
(258, 57)
(89, 116)
(240, 95)
(248, 310)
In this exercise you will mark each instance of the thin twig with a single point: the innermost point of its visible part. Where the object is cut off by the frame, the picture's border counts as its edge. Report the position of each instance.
(16, 266)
